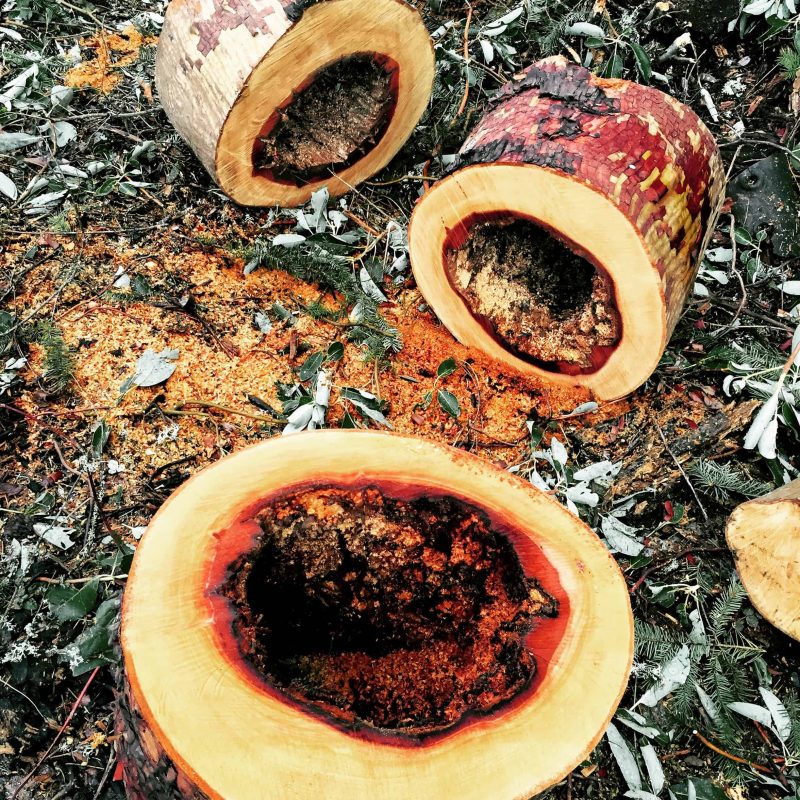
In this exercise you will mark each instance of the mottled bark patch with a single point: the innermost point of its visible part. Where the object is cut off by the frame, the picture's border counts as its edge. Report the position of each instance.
(402, 614)
(537, 295)
(332, 123)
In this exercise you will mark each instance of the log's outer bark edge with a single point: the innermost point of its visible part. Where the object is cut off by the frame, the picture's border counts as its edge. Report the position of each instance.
(646, 152)
(148, 773)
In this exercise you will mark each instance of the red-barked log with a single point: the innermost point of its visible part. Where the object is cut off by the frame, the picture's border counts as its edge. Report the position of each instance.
(567, 239)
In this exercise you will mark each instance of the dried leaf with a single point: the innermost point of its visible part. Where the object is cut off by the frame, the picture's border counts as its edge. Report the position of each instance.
(655, 772)
(624, 758)
(673, 674)
(780, 716)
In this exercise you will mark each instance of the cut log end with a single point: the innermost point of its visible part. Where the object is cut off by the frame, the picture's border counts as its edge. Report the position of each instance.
(357, 614)
(628, 183)
(764, 536)
(280, 100)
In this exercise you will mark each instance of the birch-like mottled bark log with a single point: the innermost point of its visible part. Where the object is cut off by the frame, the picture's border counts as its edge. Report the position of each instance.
(764, 536)
(356, 614)
(566, 241)
(280, 97)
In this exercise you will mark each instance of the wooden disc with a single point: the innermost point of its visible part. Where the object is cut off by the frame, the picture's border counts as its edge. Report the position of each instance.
(227, 72)
(227, 733)
(764, 536)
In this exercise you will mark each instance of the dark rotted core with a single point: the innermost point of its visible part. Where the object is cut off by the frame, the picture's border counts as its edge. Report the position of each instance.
(331, 124)
(537, 294)
(401, 614)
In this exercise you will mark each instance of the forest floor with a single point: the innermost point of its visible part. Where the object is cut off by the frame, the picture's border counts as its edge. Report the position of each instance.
(114, 243)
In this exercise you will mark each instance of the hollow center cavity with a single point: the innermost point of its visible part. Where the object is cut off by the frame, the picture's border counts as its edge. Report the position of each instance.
(329, 125)
(404, 615)
(541, 298)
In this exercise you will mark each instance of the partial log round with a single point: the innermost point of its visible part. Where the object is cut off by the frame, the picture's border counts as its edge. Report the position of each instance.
(567, 239)
(357, 614)
(764, 535)
(280, 97)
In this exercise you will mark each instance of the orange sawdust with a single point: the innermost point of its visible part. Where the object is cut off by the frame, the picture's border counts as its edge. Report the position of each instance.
(111, 53)
(225, 358)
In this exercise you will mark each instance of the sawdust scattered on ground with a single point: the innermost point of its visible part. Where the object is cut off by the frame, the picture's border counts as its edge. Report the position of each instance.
(111, 53)
(225, 359)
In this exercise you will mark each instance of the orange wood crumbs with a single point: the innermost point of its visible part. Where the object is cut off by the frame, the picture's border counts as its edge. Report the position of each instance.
(111, 52)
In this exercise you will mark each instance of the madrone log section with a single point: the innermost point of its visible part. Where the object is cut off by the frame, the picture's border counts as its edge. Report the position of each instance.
(354, 614)
(764, 536)
(280, 97)
(566, 239)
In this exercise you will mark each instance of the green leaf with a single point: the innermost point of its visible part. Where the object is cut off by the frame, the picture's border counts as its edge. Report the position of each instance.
(106, 187)
(100, 437)
(311, 366)
(96, 645)
(537, 434)
(68, 604)
(448, 403)
(335, 352)
(642, 61)
(447, 367)
(128, 189)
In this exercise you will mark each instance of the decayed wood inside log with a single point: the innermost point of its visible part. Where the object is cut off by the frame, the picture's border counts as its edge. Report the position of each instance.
(566, 239)
(764, 536)
(352, 613)
(280, 97)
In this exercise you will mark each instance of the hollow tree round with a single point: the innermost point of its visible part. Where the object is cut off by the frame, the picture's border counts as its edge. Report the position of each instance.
(764, 536)
(357, 614)
(280, 97)
(567, 238)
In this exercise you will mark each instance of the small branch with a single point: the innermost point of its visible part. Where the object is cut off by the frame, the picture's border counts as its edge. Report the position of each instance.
(74, 581)
(465, 96)
(726, 754)
(663, 563)
(178, 411)
(360, 222)
(681, 470)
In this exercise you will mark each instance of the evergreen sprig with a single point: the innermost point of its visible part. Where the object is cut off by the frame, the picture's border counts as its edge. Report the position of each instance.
(313, 262)
(719, 480)
(59, 361)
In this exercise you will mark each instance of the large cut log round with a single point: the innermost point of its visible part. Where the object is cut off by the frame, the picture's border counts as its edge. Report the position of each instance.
(567, 239)
(764, 535)
(352, 614)
(280, 97)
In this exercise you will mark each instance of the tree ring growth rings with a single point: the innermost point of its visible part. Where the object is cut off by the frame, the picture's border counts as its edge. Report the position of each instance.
(229, 72)
(623, 175)
(200, 714)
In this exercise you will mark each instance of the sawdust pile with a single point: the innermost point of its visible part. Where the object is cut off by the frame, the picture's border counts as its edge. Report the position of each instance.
(111, 53)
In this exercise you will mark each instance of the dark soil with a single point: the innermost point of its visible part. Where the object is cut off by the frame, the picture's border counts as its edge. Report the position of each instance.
(541, 298)
(331, 124)
(401, 614)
